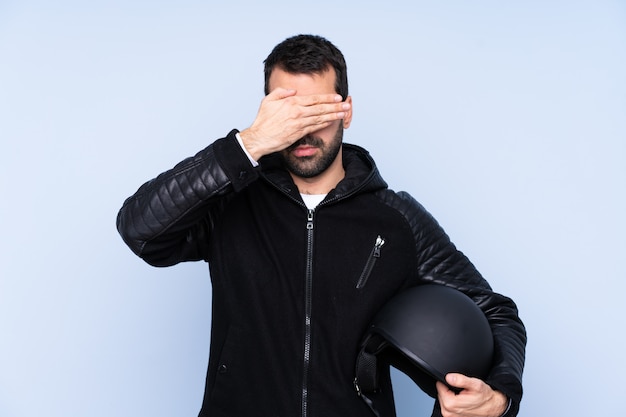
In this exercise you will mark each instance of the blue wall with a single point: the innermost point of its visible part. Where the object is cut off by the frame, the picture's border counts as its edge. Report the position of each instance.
(505, 119)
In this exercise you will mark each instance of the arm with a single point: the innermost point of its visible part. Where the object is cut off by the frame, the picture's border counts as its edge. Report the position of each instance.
(439, 262)
(169, 218)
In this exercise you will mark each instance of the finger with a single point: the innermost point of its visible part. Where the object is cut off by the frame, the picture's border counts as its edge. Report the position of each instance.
(315, 99)
(281, 93)
(319, 122)
(442, 389)
(326, 112)
(446, 398)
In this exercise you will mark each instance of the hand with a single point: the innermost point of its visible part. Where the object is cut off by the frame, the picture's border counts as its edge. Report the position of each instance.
(284, 118)
(476, 399)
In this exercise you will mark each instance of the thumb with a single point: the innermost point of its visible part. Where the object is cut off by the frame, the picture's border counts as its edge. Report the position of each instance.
(458, 380)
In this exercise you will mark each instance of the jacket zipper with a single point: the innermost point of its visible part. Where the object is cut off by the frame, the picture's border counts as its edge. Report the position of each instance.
(307, 312)
(371, 261)
(309, 287)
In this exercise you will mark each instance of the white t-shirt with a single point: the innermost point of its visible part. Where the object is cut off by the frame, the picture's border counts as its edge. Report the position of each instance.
(312, 200)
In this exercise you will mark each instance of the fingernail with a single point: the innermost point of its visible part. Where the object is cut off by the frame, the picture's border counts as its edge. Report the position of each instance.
(345, 106)
(338, 98)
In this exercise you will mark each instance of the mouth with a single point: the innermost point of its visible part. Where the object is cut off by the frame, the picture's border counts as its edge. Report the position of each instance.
(306, 147)
(303, 151)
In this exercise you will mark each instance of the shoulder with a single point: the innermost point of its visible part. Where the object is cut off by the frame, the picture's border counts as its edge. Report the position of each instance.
(403, 202)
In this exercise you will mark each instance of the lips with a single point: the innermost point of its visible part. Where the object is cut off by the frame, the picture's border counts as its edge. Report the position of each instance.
(303, 151)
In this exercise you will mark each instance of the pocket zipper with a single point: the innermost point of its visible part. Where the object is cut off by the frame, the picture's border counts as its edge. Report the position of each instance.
(371, 261)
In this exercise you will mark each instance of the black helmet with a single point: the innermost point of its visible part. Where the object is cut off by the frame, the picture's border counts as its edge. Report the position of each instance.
(426, 332)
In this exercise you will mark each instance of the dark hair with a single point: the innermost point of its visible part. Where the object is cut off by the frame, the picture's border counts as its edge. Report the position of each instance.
(308, 54)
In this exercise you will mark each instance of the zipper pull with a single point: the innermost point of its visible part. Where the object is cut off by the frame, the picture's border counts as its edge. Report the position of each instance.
(309, 219)
(371, 261)
(379, 244)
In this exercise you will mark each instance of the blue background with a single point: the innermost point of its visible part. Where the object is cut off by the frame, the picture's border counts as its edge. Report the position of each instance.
(506, 119)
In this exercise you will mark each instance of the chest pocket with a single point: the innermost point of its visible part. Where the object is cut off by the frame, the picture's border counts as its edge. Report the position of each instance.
(370, 262)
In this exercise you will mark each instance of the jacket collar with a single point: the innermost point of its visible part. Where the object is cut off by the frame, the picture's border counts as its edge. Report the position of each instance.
(361, 174)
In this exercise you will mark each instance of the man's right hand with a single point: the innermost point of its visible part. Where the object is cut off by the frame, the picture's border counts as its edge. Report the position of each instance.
(284, 117)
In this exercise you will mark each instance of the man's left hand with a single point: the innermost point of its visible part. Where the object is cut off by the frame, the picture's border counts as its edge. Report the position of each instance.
(477, 399)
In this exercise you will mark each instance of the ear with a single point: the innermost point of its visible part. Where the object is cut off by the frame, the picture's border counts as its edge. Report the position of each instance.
(348, 117)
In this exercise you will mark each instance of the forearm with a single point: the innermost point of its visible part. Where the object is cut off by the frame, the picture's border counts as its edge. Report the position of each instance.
(509, 335)
(509, 350)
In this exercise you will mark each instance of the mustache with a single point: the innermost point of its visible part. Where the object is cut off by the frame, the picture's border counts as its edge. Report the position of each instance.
(308, 140)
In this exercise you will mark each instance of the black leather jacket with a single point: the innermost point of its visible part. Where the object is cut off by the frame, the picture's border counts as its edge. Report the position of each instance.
(291, 299)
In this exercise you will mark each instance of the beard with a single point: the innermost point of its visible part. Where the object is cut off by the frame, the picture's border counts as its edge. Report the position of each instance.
(312, 166)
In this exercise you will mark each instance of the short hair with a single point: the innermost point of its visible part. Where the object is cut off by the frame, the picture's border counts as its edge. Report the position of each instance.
(308, 54)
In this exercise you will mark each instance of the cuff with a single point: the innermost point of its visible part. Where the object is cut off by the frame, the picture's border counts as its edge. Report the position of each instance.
(252, 161)
(233, 160)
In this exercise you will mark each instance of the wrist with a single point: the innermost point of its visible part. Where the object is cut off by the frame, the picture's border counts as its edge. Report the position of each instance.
(499, 404)
(508, 407)
(248, 140)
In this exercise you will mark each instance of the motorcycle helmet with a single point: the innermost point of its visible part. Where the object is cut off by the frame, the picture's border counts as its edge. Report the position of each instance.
(426, 332)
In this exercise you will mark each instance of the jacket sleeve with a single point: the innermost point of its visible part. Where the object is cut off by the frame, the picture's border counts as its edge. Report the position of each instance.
(169, 219)
(439, 262)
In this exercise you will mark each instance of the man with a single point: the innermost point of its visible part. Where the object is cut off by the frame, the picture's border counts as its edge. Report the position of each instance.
(305, 243)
